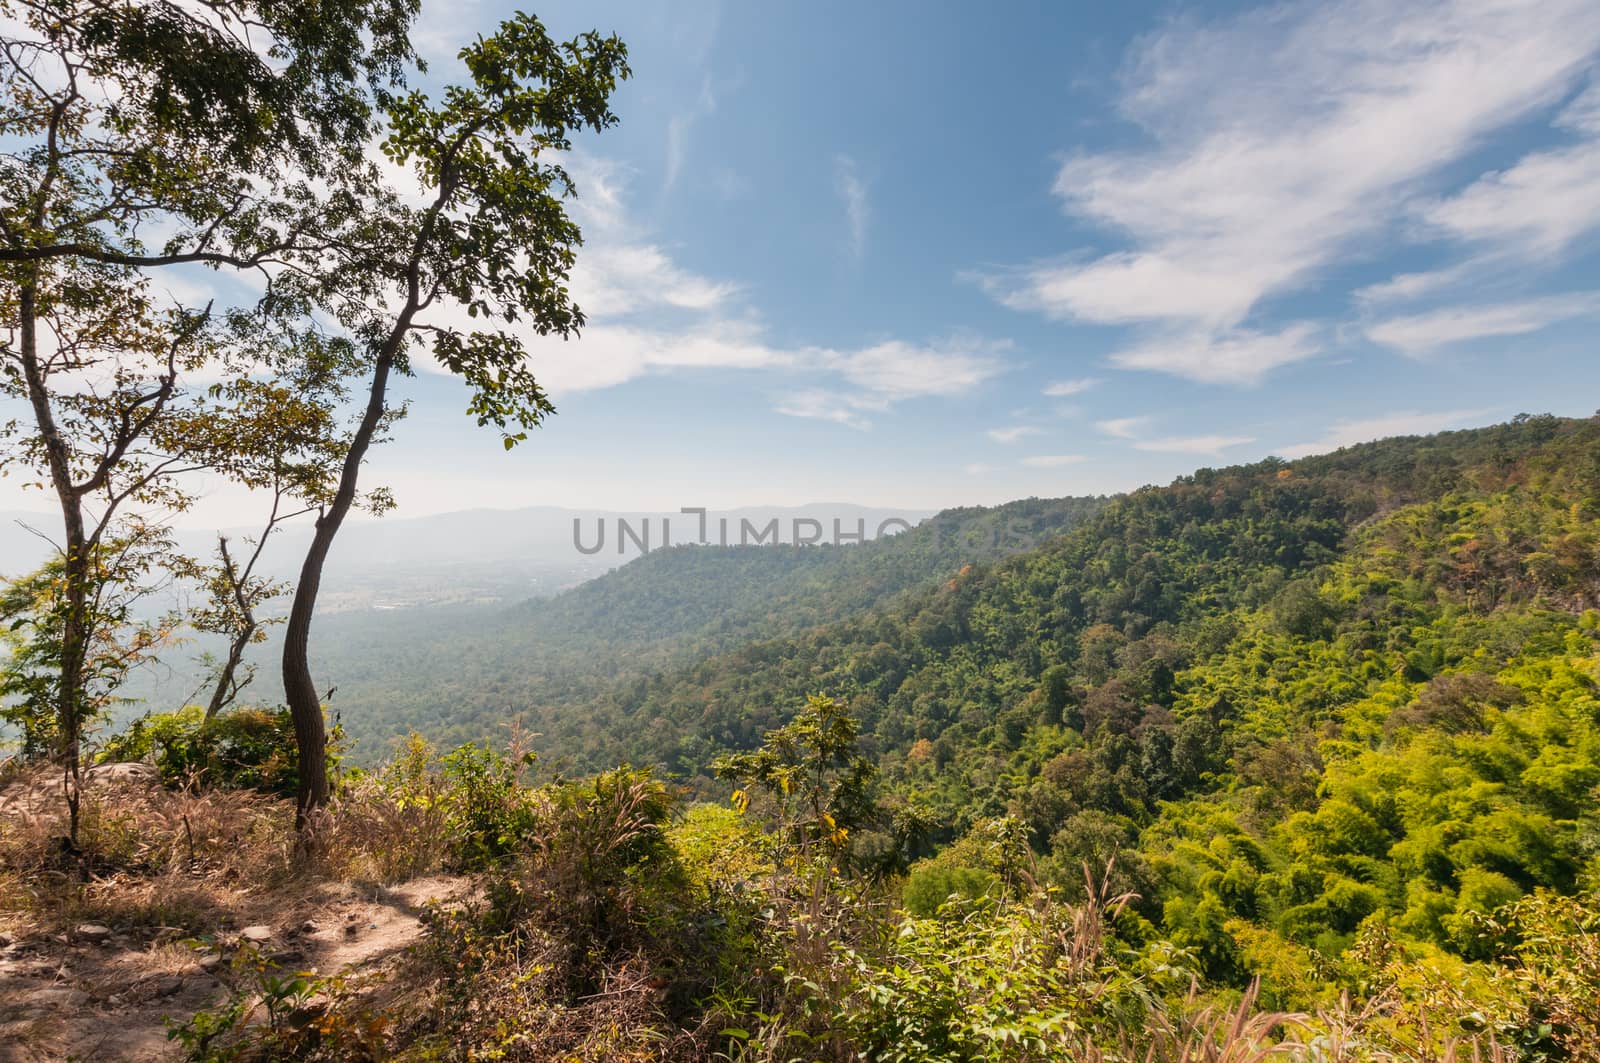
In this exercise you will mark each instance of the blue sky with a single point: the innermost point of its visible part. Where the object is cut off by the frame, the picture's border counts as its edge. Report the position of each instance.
(920, 254)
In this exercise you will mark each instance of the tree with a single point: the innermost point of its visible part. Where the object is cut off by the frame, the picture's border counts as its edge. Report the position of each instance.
(215, 124)
(288, 444)
(97, 364)
(211, 123)
(491, 240)
(43, 611)
(812, 771)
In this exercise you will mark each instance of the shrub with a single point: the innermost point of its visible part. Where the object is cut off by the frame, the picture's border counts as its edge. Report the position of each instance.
(930, 886)
(246, 748)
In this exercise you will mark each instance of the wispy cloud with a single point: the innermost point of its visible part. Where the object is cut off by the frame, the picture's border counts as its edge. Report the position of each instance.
(1404, 287)
(852, 192)
(1012, 434)
(1212, 444)
(1122, 427)
(678, 128)
(1052, 461)
(1537, 207)
(648, 314)
(1402, 423)
(900, 370)
(1061, 389)
(817, 404)
(625, 278)
(1420, 334)
(1133, 430)
(1283, 138)
(1237, 356)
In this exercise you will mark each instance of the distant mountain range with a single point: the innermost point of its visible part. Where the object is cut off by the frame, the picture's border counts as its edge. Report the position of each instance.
(491, 554)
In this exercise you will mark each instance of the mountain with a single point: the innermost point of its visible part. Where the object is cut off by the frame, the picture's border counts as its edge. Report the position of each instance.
(458, 674)
(489, 555)
(1294, 700)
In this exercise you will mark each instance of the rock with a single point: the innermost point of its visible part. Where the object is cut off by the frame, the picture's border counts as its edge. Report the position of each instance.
(56, 996)
(131, 772)
(308, 927)
(210, 962)
(167, 987)
(93, 933)
(5, 941)
(256, 935)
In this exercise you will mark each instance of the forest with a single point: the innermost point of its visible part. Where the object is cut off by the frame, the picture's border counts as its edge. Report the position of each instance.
(1291, 700)
(1295, 758)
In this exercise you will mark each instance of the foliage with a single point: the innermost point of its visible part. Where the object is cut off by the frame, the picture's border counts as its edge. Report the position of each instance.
(810, 771)
(246, 747)
(302, 1016)
(36, 610)
(489, 815)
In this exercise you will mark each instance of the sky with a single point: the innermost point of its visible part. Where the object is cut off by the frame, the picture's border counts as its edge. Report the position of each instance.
(931, 254)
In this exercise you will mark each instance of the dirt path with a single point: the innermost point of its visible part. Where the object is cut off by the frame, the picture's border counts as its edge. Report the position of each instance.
(104, 994)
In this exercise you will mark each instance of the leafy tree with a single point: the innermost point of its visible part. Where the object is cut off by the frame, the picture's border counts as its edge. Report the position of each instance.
(111, 432)
(812, 772)
(491, 239)
(214, 125)
(288, 446)
(42, 608)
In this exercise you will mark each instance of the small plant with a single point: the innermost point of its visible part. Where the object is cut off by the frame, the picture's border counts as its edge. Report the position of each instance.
(307, 1017)
(489, 812)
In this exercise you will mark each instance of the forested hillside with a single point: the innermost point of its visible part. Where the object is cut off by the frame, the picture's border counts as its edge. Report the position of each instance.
(1299, 758)
(1293, 695)
(457, 674)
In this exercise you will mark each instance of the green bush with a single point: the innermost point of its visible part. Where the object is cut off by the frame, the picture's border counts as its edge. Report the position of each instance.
(239, 749)
(489, 812)
(930, 886)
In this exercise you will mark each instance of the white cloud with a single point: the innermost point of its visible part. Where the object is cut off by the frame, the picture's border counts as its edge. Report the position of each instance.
(1281, 138)
(1537, 207)
(1420, 334)
(623, 279)
(1123, 427)
(852, 191)
(1052, 461)
(1012, 434)
(1534, 209)
(1061, 389)
(899, 370)
(1403, 287)
(1403, 423)
(1132, 429)
(1212, 444)
(977, 468)
(1582, 115)
(1241, 356)
(821, 405)
(678, 127)
(647, 314)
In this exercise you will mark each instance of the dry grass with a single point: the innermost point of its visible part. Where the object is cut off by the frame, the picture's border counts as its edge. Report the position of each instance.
(373, 832)
(148, 857)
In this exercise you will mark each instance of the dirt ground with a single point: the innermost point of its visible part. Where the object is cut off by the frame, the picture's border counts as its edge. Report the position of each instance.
(92, 992)
(66, 997)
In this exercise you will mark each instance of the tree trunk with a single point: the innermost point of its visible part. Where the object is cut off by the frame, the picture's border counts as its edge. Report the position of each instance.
(76, 565)
(305, 707)
(225, 689)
